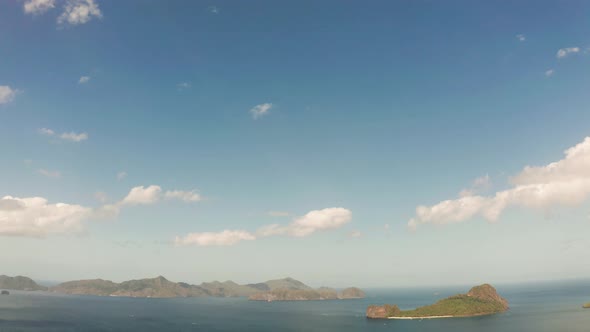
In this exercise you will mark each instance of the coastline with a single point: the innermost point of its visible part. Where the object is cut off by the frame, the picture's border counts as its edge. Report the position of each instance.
(442, 316)
(425, 317)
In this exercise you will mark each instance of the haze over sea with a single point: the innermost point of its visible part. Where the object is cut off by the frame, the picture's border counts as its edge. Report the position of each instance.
(545, 306)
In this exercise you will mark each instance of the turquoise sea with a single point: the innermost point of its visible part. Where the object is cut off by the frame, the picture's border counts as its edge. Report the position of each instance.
(535, 307)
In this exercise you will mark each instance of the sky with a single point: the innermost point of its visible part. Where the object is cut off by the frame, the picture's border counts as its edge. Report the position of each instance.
(375, 144)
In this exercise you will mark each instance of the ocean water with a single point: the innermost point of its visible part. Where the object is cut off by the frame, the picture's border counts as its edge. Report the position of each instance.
(536, 307)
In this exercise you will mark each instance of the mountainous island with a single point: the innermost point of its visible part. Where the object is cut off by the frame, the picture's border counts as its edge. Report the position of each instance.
(20, 283)
(303, 292)
(480, 300)
(287, 289)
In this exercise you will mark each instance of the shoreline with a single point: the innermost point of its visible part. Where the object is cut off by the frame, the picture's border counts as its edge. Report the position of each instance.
(443, 316)
(425, 317)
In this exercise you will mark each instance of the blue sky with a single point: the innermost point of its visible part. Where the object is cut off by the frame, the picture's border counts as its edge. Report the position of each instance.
(333, 121)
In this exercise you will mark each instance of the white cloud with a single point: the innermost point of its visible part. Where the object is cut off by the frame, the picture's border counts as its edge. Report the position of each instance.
(49, 174)
(317, 220)
(7, 94)
(71, 136)
(213, 10)
(549, 72)
(480, 184)
(142, 195)
(183, 85)
(84, 79)
(36, 7)
(563, 52)
(313, 221)
(79, 12)
(521, 37)
(185, 196)
(34, 217)
(47, 132)
(260, 110)
(278, 213)
(74, 137)
(121, 175)
(224, 238)
(562, 183)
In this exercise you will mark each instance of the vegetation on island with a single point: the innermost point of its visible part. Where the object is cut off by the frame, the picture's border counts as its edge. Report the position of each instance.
(20, 283)
(480, 300)
(160, 287)
(307, 294)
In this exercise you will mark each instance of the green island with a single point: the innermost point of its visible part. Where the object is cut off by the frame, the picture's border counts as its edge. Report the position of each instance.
(480, 300)
(586, 305)
(285, 289)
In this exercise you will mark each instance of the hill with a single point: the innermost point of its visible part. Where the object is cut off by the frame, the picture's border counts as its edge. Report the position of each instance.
(279, 289)
(20, 283)
(306, 293)
(480, 300)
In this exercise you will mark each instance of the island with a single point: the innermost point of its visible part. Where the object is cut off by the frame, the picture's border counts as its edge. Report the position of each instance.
(480, 300)
(272, 290)
(5, 292)
(307, 294)
(586, 305)
(20, 283)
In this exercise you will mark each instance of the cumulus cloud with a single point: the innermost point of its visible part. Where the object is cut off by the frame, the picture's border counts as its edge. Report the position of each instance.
(79, 12)
(260, 110)
(563, 52)
(148, 195)
(142, 195)
(562, 183)
(84, 79)
(224, 238)
(7, 94)
(35, 217)
(74, 137)
(479, 185)
(521, 37)
(36, 7)
(185, 196)
(71, 136)
(313, 221)
(549, 72)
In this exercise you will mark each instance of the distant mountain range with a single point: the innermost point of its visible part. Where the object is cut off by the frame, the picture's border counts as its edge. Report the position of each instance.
(20, 283)
(287, 289)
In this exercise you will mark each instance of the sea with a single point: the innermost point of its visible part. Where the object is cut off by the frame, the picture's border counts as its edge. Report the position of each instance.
(535, 307)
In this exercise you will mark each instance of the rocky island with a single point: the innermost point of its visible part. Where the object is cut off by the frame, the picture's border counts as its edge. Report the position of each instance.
(307, 293)
(20, 283)
(586, 306)
(5, 292)
(160, 287)
(480, 300)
